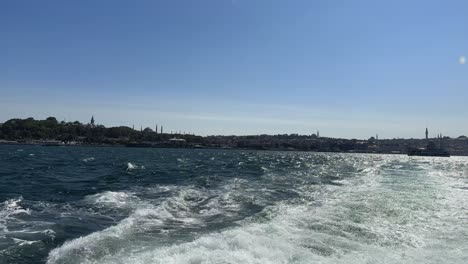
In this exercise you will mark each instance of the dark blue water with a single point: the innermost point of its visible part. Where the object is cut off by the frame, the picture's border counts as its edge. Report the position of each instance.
(125, 205)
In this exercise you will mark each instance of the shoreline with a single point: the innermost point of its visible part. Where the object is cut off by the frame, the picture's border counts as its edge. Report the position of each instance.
(202, 147)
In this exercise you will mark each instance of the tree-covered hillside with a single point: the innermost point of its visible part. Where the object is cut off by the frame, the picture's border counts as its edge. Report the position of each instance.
(50, 128)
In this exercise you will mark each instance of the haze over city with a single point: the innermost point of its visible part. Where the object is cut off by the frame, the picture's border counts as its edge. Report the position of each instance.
(351, 70)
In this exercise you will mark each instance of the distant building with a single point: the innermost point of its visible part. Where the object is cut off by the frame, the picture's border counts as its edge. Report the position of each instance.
(177, 142)
(427, 134)
(92, 121)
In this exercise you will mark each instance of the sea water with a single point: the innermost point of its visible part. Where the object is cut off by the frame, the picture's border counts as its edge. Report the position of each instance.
(130, 205)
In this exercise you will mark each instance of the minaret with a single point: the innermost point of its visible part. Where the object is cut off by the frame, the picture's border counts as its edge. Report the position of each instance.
(439, 136)
(427, 134)
(161, 129)
(156, 130)
(318, 134)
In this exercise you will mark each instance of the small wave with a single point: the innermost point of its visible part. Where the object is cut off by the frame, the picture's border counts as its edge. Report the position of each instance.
(88, 159)
(121, 235)
(132, 166)
(12, 207)
(111, 199)
(22, 242)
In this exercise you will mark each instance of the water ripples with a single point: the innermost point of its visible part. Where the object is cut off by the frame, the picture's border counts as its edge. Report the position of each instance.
(117, 205)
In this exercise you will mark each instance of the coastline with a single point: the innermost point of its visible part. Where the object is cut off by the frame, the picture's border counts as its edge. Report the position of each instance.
(189, 146)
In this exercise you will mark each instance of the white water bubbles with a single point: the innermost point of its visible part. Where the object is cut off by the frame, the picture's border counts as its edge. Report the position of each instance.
(387, 209)
(89, 159)
(133, 167)
(13, 227)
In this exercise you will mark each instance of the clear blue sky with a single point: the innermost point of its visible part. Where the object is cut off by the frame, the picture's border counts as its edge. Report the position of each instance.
(347, 68)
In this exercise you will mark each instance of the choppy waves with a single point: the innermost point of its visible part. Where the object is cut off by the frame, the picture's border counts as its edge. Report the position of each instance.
(167, 215)
(249, 207)
(17, 230)
(376, 217)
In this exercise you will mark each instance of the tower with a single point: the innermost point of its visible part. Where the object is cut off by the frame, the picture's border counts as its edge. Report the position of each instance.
(427, 134)
(156, 130)
(440, 141)
(92, 120)
(161, 129)
(318, 133)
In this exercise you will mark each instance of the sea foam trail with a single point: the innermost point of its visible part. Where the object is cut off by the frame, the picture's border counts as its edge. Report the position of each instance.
(382, 216)
(186, 209)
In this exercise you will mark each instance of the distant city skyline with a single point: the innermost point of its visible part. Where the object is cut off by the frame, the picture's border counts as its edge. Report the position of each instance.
(349, 69)
(158, 128)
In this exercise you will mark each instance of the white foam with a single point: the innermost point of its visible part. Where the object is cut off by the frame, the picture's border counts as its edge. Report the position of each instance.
(131, 166)
(18, 231)
(377, 217)
(12, 207)
(185, 208)
(22, 242)
(353, 226)
(90, 247)
(88, 159)
(113, 199)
